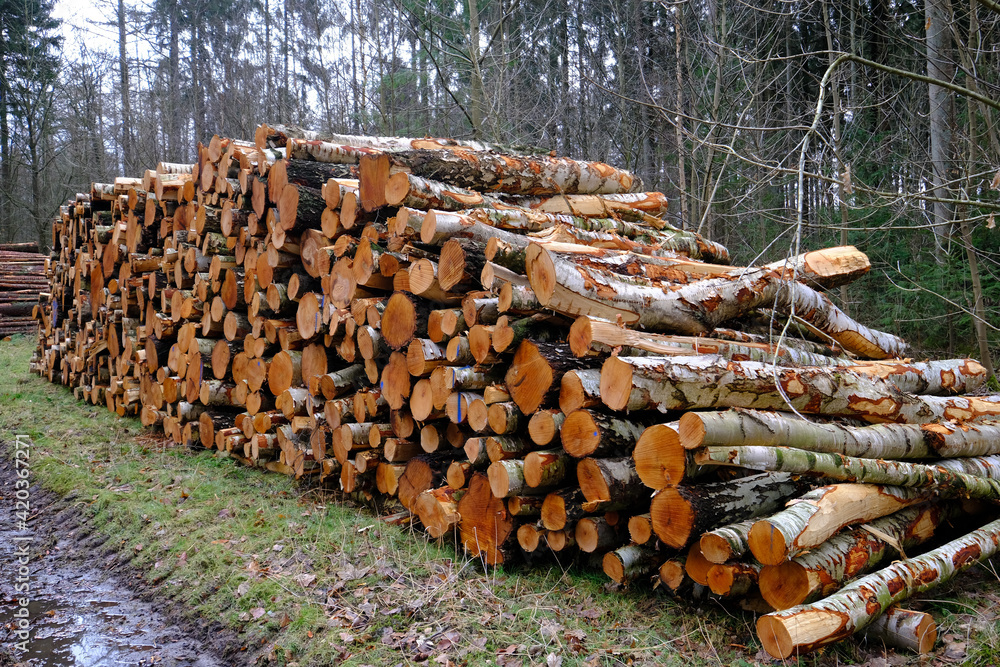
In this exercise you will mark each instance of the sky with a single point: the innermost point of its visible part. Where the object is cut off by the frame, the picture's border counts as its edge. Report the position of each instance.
(82, 21)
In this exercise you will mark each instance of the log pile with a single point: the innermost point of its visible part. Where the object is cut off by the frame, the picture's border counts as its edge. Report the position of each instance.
(527, 356)
(24, 285)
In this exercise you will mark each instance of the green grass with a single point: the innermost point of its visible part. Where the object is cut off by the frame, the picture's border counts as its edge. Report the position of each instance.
(306, 577)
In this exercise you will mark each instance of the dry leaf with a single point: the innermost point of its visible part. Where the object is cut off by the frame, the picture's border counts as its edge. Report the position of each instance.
(257, 612)
(305, 580)
(995, 183)
(848, 183)
(990, 223)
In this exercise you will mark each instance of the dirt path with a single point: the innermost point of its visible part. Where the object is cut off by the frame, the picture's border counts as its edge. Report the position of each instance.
(80, 611)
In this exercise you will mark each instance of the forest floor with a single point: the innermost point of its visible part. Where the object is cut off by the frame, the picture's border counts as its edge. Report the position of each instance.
(214, 563)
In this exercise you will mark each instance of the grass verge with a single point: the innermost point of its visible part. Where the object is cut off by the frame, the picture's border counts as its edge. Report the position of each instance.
(307, 578)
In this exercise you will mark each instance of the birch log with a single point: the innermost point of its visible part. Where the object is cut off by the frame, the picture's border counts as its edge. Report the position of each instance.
(614, 285)
(681, 513)
(878, 441)
(671, 383)
(945, 483)
(516, 175)
(825, 568)
(809, 627)
(818, 515)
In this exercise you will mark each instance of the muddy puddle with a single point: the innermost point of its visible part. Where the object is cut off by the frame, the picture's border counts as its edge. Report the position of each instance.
(78, 614)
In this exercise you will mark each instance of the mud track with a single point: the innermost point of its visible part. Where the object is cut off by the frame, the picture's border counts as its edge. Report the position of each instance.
(87, 606)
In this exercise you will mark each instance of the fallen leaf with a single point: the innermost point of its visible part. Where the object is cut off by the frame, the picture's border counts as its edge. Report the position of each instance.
(305, 580)
(257, 612)
(346, 637)
(550, 630)
(553, 660)
(954, 651)
(243, 589)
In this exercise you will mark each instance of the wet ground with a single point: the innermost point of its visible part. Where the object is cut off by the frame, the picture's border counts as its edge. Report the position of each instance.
(80, 612)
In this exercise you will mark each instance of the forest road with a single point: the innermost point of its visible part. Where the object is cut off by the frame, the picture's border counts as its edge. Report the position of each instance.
(67, 602)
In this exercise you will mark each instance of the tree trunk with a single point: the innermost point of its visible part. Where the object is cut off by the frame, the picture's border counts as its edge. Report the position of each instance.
(818, 515)
(590, 433)
(681, 513)
(914, 631)
(945, 483)
(809, 627)
(823, 569)
(727, 542)
(515, 175)
(879, 441)
(656, 303)
(486, 528)
(670, 383)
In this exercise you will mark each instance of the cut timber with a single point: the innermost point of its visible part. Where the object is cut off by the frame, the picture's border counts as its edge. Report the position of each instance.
(544, 425)
(681, 513)
(733, 579)
(423, 472)
(599, 206)
(438, 509)
(506, 478)
(825, 568)
(945, 483)
(594, 533)
(579, 389)
(659, 458)
(806, 628)
(590, 334)
(407, 190)
(534, 175)
(562, 508)
(571, 286)
(727, 542)
(904, 629)
(670, 383)
(754, 427)
(529, 537)
(534, 370)
(630, 563)
(546, 468)
(486, 528)
(640, 528)
(612, 482)
(821, 513)
(590, 433)
(401, 320)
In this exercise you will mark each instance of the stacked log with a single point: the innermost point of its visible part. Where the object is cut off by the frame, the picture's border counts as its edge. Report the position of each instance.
(523, 353)
(24, 284)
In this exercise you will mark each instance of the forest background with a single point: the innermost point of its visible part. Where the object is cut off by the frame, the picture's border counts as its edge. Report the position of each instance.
(771, 126)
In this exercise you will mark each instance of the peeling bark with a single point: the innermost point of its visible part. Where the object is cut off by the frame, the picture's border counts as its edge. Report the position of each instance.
(645, 294)
(946, 483)
(671, 383)
(809, 627)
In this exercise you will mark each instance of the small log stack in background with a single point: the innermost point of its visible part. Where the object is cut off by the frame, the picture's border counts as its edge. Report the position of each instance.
(23, 286)
(527, 356)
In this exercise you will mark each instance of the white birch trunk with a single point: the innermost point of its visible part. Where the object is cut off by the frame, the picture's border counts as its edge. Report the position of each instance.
(808, 627)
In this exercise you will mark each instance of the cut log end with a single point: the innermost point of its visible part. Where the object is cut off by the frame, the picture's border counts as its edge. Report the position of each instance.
(785, 585)
(616, 383)
(691, 430)
(672, 517)
(659, 458)
(774, 637)
(768, 544)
